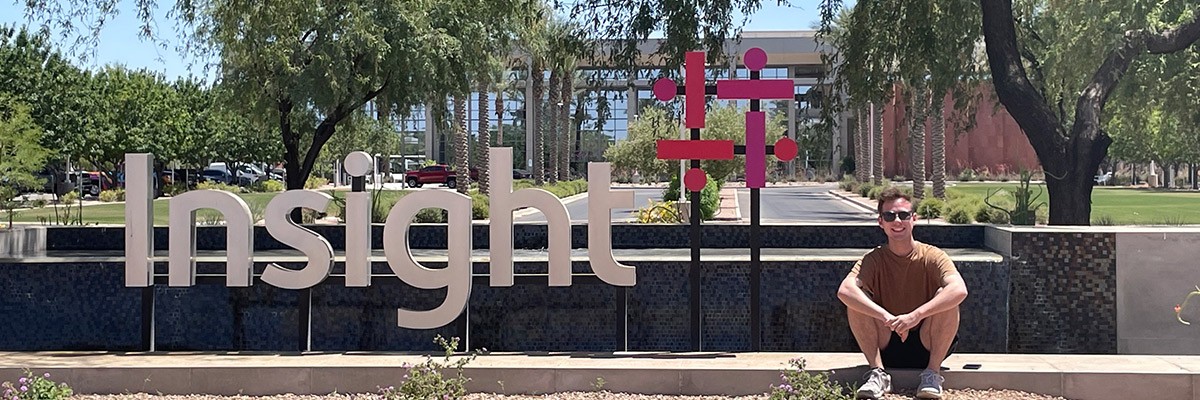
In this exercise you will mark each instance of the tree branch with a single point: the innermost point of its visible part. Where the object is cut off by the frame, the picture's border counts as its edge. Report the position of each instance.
(1026, 105)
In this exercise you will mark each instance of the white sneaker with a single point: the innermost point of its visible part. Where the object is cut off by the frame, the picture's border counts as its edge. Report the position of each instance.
(878, 383)
(931, 385)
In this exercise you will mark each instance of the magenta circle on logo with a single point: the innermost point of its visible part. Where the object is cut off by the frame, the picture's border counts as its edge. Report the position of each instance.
(694, 179)
(755, 59)
(786, 149)
(664, 89)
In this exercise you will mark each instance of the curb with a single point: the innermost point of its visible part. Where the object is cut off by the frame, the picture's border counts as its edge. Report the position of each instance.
(530, 210)
(852, 201)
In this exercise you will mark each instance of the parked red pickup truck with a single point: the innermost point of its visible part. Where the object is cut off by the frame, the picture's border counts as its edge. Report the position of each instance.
(440, 173)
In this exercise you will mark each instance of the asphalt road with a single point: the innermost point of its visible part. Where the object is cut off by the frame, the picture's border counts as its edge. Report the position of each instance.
(578, 209)
(812, 204)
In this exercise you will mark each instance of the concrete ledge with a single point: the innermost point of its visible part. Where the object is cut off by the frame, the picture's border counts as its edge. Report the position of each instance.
(1082, 377)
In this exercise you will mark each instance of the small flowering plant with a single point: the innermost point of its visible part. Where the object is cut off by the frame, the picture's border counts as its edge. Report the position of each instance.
(1179, 307)
(796, 383)
(35, 387)
(426, 381)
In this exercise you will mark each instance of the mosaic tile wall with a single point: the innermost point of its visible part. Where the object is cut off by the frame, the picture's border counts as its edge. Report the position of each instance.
(1064, 293)
(77, 306)
(532, 236)
(800, 311)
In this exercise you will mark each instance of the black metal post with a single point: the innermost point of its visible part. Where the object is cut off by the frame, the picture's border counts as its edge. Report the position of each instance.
(694, 280)
(756, 250)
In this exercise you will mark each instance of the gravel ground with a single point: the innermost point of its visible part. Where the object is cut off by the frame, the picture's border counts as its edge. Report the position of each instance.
(966, 394)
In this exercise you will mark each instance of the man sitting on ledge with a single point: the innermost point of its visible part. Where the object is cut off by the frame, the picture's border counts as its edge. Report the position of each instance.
(902, 300)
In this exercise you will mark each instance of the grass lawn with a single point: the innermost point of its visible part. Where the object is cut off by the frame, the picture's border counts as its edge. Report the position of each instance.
(1125, 206)
(115, 213)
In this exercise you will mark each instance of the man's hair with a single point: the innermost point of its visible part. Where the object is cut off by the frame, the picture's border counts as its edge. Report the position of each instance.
(889, 195)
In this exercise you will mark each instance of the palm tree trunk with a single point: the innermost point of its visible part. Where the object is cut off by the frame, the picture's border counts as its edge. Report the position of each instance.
(862, 166)
(539, 160)
(461, 143)
(485, 140)
(499, 117)
(938, 141)
(920, 111)
(877, 139)
(564, 123)
(553, 138)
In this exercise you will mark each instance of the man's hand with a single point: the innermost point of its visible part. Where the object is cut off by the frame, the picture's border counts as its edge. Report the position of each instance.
(901, 324)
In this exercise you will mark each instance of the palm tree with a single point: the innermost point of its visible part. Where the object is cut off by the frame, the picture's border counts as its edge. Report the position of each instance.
(461, 144)
(919, 98)
(938, 142)
(877, 138)
(552, 133)
(539, 166)
(566, 93)
(862, 148)
(485, 139)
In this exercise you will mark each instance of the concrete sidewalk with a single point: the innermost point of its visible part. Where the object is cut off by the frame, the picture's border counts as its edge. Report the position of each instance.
(1082, 377)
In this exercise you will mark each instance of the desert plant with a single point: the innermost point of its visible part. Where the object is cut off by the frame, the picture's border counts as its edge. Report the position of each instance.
(796, 383)
(967, 175)
(440, 380)
(1025, 207)
(666, 212)
(35, 387)
(1103, 220)
(710, 199)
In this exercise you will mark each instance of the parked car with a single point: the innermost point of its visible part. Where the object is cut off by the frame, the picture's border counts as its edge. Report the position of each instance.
(520, 174)
(440, 173)
(216, 176)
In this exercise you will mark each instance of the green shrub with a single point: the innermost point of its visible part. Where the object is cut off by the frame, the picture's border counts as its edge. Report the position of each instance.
(69, 198)
(109, 196)
(710, 198)
(875, 192)
(174, 189)
(864, 190)
(930, 207)
(218, 186)
(35, 387)
(967, 175)
(315, 182)
(1103, 220)
(671, 193)
(430, 216)
(267, 186)
(479, 206)
(988, 215)
(799, 384)
(962, 210)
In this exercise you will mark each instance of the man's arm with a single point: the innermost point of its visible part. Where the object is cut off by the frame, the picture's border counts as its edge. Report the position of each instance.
(951, 295)
(855, 299)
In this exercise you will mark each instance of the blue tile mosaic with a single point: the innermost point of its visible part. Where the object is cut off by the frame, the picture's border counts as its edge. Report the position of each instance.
(68, 306)
(364, 319)
(531, 316)
(534, 236)
(210, 316)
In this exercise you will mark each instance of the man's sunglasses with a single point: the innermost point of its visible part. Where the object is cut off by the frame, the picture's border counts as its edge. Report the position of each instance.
(890, 216)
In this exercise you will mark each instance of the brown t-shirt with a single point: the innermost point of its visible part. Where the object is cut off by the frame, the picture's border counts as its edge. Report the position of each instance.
(900, 284)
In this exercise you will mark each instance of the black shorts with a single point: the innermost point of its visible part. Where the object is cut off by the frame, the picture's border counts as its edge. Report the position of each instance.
(910, 353)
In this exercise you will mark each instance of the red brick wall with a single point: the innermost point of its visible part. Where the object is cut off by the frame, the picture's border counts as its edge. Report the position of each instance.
(996, 143)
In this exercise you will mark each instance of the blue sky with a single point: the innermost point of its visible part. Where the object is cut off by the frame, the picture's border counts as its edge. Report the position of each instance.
(119, 42)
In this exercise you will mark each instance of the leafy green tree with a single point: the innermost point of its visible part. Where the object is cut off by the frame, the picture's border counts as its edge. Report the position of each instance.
(1059, 53)
(639, 151)
(21, 154)
(307, 66)
(32, 72)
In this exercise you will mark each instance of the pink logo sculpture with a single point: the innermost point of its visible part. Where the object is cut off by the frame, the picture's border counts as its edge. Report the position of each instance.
(695, 90)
